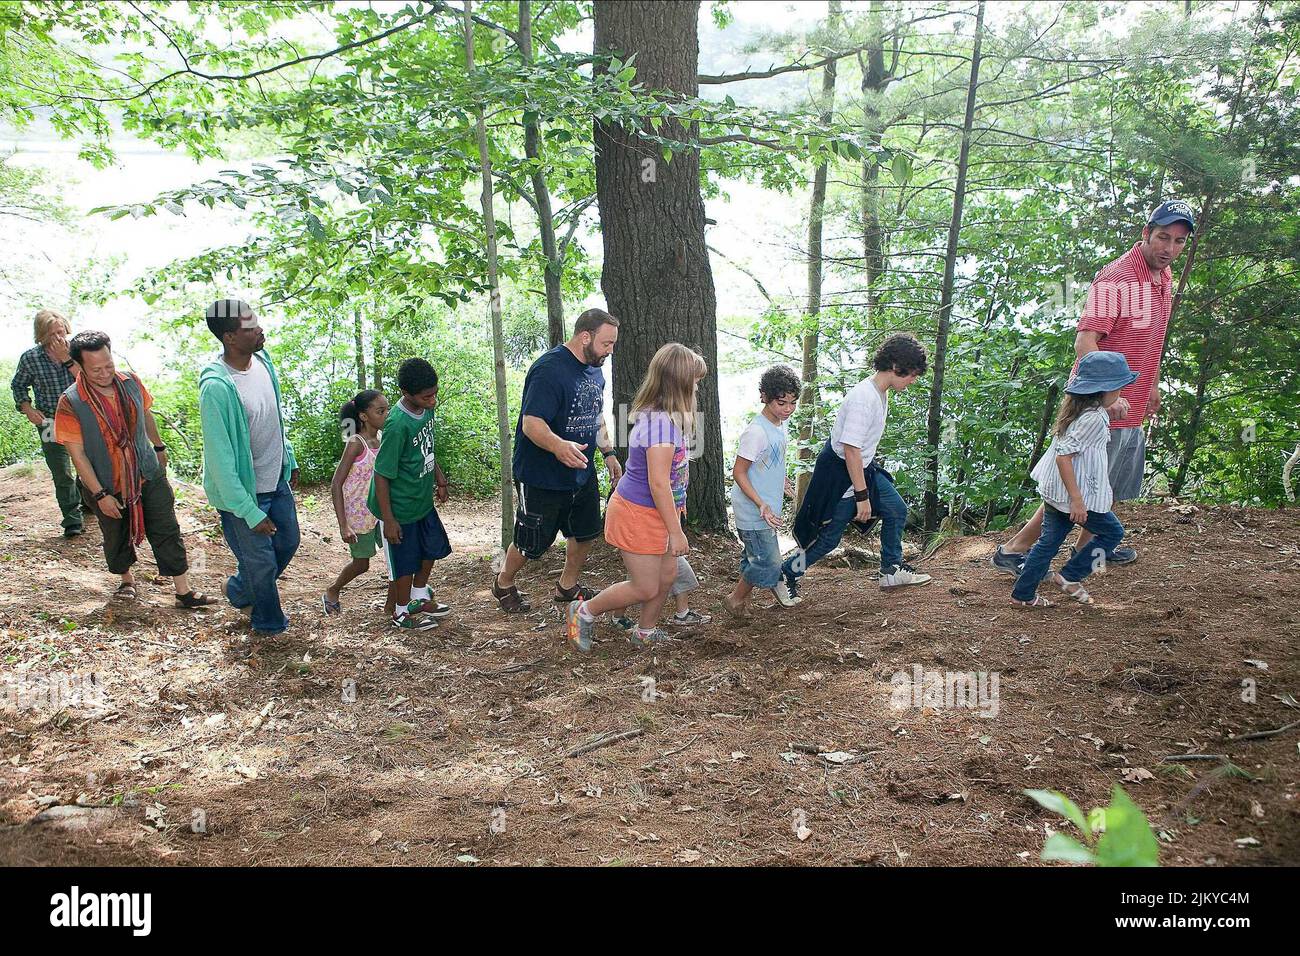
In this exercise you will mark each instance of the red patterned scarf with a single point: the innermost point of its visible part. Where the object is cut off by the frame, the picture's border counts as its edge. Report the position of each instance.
(119, 432)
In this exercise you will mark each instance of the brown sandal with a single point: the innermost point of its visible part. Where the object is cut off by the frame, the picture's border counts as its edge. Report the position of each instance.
(192, 600)
(125, 592)
(575, 593)
(511, 601)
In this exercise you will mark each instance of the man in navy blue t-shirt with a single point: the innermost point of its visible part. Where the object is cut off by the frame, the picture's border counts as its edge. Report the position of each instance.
(561, 426)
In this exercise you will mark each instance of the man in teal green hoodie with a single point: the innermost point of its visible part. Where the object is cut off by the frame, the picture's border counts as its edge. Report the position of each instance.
(249, 471)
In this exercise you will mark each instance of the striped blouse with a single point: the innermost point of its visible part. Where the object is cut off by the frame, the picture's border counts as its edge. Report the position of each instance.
(1086, 440)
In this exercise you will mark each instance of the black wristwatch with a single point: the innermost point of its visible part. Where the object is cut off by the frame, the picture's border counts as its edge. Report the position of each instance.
(612, 451)
(69, 363)
(863, 495)
(102, 493)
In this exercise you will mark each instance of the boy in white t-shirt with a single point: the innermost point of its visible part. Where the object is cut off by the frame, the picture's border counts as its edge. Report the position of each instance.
(759, 490)
(847, 483)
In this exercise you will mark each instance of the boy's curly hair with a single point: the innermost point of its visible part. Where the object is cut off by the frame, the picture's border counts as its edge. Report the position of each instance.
(777, 382)
(416, 375)
(902, 353)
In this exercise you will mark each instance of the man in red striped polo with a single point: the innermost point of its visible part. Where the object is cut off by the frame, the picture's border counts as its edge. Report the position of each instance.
(1127, 311)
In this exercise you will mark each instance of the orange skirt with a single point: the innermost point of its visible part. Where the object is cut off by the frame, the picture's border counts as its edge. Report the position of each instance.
(634, 528)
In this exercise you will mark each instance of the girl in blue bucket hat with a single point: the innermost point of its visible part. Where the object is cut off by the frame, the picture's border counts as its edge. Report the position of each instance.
(1073, 480)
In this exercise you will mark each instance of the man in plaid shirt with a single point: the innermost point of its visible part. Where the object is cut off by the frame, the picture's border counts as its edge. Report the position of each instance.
(43, 374)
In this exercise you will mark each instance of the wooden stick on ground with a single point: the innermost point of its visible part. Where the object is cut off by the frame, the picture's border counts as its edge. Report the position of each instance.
(604, 740)
(1264, 734)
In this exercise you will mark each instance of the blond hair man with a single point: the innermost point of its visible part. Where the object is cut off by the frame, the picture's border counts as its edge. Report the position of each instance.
(43, 374)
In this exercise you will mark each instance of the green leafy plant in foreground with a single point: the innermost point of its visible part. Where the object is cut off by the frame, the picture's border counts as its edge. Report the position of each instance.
(1115, 835)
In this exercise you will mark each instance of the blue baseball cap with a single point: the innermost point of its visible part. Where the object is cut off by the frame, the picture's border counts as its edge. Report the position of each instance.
(1101, 372)
(1172, 210)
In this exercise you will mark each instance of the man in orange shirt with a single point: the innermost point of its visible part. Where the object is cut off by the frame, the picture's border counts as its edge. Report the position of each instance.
(104, 421)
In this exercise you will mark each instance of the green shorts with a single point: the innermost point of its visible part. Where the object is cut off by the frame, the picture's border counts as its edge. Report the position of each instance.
(366, 545)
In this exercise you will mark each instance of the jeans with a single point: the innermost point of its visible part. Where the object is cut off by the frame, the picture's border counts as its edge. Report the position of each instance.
(262, 558)
(760, 565)
(892, 512)
(1107, 533)
(66, 491)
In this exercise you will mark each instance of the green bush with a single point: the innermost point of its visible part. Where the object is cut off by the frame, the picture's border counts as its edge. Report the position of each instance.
(19, 441)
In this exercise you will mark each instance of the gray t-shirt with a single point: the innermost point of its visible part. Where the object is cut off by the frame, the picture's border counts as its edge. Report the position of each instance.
(264, 433)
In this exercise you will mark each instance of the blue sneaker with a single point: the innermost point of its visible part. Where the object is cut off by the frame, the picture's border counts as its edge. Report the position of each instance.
(578, 629)
(653, 636)
(1008, 562)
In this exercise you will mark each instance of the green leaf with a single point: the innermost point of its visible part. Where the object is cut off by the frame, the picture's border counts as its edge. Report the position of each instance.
(1097, 819)
(901, 169)
(1063, 847)
(1058, 802)
(1128, 840)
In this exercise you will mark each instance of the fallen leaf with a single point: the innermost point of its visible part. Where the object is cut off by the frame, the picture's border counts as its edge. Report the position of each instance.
(373, 837)
(1246, 841)
(1262, 665)
(1137, 775)
(687, 856)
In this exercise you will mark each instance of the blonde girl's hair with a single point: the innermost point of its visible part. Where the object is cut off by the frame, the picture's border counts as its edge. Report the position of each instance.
(669, 384)
(1072, 406)
(44, 324)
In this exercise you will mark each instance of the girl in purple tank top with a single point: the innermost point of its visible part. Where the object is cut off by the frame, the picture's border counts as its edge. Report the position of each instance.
(644, 517)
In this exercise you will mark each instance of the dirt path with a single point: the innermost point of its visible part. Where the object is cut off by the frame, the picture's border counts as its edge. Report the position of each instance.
(454, 747)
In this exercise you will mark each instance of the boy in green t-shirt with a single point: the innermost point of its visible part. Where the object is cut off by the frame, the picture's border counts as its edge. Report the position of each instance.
(401, 497)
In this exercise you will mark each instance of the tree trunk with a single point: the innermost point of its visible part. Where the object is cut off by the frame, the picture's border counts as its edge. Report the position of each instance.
(542, 196)
(812, 322)
(494, 297)
(1194, 420)
(946, 292)
(656, 275)
(358, 337)
(376, 355)
(1049, 408)
(874, 81)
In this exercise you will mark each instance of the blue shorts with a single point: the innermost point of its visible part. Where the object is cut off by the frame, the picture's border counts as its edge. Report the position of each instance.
(423, 540)
(760, 565)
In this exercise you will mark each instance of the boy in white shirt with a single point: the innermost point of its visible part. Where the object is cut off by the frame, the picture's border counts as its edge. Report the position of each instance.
(848, 484)
(759, 490)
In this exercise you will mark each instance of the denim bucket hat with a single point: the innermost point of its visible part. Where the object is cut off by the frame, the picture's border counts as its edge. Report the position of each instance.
(1101, 372)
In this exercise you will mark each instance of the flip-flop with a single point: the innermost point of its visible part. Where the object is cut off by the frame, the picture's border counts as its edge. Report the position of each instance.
(330, 607)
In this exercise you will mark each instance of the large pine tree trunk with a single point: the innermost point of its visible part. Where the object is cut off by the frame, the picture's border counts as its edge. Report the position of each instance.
(656, 275)
(946, 291)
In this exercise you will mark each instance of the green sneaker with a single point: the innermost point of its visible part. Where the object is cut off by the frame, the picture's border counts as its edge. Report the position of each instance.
(412, 622)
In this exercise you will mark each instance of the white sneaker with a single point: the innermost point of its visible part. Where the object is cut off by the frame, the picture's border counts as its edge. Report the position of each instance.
(782, 592)
(903, 575)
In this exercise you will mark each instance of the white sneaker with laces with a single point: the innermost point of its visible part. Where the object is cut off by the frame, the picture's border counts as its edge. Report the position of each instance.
(783, 595)
(902, 576)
